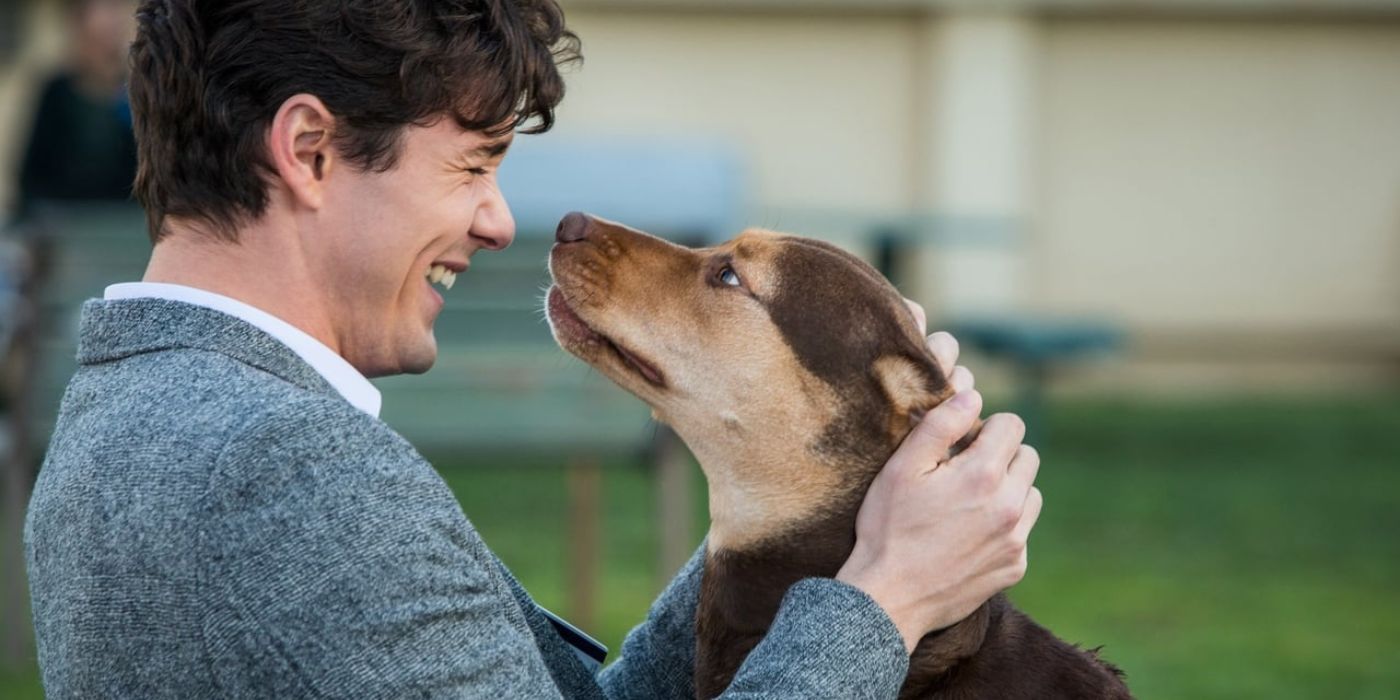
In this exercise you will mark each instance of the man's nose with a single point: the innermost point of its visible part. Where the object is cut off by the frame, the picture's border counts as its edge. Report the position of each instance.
(494, 225)
(574, 227)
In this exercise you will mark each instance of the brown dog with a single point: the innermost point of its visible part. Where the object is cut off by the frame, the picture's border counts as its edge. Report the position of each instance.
(792, 370)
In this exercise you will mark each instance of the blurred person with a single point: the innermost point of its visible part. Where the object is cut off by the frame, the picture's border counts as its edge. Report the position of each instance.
(221, 513)
(81, 145)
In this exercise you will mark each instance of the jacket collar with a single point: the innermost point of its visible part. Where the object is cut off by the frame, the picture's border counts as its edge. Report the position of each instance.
(115, 329)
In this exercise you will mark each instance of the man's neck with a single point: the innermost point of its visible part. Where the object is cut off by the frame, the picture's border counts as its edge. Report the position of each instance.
(265, 269)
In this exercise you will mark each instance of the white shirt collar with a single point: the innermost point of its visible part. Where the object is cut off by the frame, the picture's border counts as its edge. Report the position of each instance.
(340, 374)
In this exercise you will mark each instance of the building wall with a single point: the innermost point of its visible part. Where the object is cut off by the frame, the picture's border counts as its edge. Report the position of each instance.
(819, 103)
(1228, 176)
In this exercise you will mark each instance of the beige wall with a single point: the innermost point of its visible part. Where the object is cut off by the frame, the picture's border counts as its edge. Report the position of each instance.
(1239, 176)
(820, 104)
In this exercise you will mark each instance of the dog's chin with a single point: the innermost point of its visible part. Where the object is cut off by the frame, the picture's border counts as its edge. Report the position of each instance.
(624, 367)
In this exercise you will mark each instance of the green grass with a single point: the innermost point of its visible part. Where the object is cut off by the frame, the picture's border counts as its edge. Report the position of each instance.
(1242, 549)
(1236, 549)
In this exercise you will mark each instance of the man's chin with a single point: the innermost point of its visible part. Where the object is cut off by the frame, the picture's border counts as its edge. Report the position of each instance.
(418, 367)
(420, 359)
(415, 360)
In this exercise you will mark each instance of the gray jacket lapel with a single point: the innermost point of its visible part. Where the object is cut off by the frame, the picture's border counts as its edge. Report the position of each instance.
(112, 330)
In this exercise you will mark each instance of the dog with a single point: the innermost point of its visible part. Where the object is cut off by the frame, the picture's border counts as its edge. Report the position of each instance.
(792, 370)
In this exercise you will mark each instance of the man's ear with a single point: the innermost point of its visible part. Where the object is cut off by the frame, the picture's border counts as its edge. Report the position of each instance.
(913, 385)
(299, 143)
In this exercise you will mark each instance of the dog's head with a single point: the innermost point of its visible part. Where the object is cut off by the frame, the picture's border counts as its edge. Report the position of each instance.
(789, 366)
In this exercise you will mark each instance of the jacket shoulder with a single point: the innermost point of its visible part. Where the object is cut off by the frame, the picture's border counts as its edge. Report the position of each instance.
(309, 442)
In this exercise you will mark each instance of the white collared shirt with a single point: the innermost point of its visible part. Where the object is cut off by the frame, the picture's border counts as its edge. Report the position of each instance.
(340, 374)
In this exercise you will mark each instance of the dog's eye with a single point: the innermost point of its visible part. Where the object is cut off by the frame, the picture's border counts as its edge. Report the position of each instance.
(728, 276)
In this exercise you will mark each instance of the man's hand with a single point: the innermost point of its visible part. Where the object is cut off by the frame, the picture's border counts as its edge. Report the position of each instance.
(937, 536)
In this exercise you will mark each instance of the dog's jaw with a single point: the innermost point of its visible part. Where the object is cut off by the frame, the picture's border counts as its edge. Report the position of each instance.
(584, 341)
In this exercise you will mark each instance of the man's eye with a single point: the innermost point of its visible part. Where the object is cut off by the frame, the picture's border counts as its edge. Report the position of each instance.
(728, 276)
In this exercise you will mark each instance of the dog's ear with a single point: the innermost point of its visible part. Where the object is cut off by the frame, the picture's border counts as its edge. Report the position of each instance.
(913, 385)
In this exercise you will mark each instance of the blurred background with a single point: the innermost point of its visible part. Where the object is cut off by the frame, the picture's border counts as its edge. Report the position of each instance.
(1166, 231)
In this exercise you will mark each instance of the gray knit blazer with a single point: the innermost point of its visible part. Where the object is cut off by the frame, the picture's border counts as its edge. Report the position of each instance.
(213, 520)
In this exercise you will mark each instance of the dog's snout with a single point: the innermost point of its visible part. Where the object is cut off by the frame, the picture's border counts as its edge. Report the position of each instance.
(573, 227)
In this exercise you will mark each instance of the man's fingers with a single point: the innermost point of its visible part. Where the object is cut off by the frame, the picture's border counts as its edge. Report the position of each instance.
(1029, 515)
(961, 379)
(933, 437)
(919, 315)
(1024, 466)
(997, 443)
(945, 350)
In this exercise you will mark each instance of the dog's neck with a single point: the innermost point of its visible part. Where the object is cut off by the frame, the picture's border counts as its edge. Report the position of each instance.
(751, 498)
(743, 585)
(754, 555)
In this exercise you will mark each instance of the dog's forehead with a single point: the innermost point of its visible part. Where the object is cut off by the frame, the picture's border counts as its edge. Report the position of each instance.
(756, 245)
(835, 311)
(772, 248)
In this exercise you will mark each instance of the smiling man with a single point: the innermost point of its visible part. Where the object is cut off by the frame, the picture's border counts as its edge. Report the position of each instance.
(359, 274)
(222, 514)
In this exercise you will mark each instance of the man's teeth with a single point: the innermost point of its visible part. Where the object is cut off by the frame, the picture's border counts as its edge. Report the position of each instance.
(438, 274)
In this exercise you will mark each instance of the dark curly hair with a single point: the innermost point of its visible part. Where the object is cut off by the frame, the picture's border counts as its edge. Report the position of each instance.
(208, 76)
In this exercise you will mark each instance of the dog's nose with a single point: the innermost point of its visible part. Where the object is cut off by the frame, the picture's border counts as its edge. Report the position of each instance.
(573, 227)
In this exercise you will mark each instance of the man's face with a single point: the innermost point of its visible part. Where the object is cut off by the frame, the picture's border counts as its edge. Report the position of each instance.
(439, 205)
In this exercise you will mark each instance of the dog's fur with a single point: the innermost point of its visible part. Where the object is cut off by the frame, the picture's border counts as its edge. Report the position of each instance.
(792, 389)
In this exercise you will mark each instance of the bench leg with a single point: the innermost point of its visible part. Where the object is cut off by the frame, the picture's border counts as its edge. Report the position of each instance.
(675, 503)
(585, 550)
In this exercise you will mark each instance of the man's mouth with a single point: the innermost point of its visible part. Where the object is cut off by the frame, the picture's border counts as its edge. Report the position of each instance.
(443, 275)
(568, 324)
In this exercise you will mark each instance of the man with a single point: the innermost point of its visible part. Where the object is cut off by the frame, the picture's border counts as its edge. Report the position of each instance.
(80, 145)
(222, 514)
